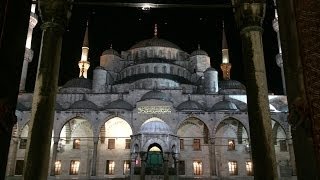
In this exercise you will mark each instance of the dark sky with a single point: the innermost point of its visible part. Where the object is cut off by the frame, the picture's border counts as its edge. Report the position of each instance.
(186, 27)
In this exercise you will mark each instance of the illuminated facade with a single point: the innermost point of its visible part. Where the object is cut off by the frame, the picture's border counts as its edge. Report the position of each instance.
(153, 111)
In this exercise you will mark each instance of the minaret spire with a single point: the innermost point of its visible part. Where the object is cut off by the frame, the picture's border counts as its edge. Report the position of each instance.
(225, 66)
(155, 30)
(84, 64)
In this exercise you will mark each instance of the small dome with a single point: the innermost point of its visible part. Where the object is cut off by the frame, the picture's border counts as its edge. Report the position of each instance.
(119, 104)
(231, 84)
(156, 94)
(224, 105)
(155, 126)
(155, 41)
(22, 107)
(199, 52)
(210, 69)
(78, 83)
(110, 52)
(190, 106)
(84, 104)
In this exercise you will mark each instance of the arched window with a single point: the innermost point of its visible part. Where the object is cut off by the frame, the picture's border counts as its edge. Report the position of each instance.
(164, 69)
(146, 69)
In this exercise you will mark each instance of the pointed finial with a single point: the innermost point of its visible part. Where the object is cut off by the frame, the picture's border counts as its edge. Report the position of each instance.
(224, 39)
(199, 46)
(86, 38)
(155, 30)
(120, 96)
(111, 46)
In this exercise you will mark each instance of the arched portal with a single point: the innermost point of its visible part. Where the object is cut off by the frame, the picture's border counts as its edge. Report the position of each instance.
(154, 160)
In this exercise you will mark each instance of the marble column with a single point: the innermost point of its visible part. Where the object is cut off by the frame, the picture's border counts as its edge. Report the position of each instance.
(212, 157)
(249, 15)
(94, 157)
(54, 155)
(132, 165)
(299, 111)
(54, 15)
(13, 155)
(143, 157)
(166, 165)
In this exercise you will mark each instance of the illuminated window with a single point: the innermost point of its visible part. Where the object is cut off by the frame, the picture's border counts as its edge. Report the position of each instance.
(57, 167)
(126, 167)
(19, 167)
(249, 168)
(283, 145)
(181, 144)
(233, 168)
(111, 143)
(128, 142)
(110, 167)
(76, 144)
(197, 167)
(182, 169)
(23, 143)
(231, 145)
(196, 145)
(74, 167)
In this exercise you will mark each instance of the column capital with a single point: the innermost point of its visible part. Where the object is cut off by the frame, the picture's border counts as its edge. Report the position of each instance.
(249, 15)
(55, 13)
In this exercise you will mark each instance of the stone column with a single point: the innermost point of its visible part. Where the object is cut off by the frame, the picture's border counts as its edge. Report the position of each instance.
(249, 15)
(143, 157)
(299, 116)
(292, 159)
(166, 165)
(54, 15)
(13, 155)
(176, 165)
(13, 27)
(54, 155)
(94, 157)
(133, 164)
(212, 158)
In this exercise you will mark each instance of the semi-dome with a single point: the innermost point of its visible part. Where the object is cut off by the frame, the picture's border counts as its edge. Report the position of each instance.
(156, 94)
(155, 126)
(79, 82)
(231, 84)
(110, 52)
(119, 104)
(84, 104)
(155, 41)
(199, 52)
(190, 106)
(224, 105)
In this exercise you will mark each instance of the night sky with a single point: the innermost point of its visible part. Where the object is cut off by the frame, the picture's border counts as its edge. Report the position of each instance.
(186, 27)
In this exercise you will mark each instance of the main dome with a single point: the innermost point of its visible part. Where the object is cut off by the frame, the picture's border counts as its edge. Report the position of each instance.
(155, 41)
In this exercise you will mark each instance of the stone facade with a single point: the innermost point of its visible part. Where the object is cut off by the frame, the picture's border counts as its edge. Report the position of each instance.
(153, 111)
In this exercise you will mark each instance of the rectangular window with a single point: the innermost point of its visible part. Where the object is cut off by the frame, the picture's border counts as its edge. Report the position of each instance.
(231, 145)
(283, 145)
(197, 167)
(181, 144)
(57, 167)
(23, 143)
(233, 168)
(76, 144)
(196, 145)
(249, 168)
(19, 167)
(110, 167)
(128, 142)
(126, 167)
(111, 143)
(74, 167)
(182, 168)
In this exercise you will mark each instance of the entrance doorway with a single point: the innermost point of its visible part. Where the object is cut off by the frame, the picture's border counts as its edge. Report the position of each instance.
(154, 164)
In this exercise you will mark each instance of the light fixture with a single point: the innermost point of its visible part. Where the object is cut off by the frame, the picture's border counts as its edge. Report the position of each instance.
(146, 7)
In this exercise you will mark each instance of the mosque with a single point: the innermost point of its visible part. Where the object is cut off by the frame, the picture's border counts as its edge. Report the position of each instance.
(153, 111)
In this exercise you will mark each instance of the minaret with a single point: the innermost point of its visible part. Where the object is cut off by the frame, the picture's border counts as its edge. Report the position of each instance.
(84, 64)
(225, 65)
(28, 54)
(279, 60)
